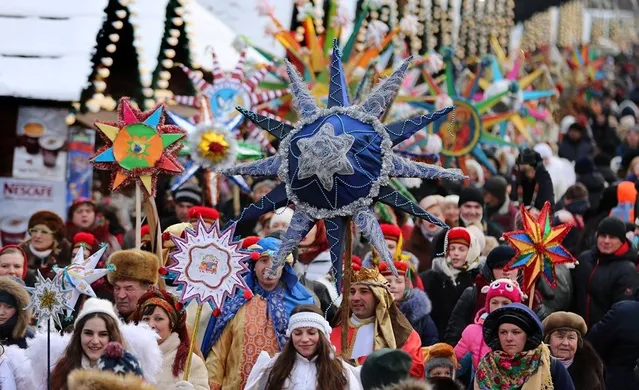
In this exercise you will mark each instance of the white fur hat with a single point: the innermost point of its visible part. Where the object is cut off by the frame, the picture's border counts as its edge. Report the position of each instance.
(544, 150)
(566, 122)
(96, 305)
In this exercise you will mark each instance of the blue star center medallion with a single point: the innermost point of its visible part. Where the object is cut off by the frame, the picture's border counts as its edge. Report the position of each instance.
(324, 155)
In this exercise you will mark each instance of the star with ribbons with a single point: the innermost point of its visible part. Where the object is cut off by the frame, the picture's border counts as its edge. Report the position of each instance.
(538, 247)
(48, 299)
(336, 162)
(78, 276)
(138, 147)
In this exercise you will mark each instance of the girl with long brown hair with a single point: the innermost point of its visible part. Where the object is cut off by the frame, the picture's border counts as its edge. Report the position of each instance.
(95, 327)
(307, 354)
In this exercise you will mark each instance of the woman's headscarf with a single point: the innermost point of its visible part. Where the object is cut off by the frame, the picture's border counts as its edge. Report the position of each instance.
(516, 314)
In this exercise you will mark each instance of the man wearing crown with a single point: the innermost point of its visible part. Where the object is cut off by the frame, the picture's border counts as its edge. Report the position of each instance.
(375, 322)
(252, 321)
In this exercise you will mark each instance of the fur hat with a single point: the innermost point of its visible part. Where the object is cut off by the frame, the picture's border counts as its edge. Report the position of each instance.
(15, 287)
(85, 238)
(563, 320)
(439, 355)
(134, 264)
(81, 379)
(50, 220)
(283, 214)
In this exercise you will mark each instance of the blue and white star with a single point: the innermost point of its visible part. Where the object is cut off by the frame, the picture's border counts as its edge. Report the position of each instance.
(324, 155)
(349, 151)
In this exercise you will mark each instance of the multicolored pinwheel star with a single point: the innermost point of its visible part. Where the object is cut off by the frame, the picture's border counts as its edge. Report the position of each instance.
(538, 247)
(48, 299)
(77, 277)
(138, 147)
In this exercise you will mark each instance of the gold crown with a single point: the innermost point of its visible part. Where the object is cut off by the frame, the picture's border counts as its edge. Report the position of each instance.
(369, 276)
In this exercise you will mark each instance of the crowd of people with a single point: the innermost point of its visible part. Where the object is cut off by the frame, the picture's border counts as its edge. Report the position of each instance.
(454, 316)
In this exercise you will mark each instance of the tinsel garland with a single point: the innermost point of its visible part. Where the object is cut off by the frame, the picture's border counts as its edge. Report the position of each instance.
(536, 31)
(570, 24)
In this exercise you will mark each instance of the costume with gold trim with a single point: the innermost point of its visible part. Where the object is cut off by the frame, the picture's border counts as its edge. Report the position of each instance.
(390, 328)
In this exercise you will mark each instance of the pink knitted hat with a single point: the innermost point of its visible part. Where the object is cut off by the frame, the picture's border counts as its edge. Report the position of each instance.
(505, 288)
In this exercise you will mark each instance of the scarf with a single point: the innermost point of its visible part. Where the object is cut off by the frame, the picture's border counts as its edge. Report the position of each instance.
(308, 253)
(567, 362)
(528, 370)
(444, 266)
(42, 255)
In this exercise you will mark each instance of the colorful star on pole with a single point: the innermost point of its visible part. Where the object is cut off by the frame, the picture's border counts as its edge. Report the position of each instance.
(48, 299)
(138, 147)
(538, 247)
(78, 276)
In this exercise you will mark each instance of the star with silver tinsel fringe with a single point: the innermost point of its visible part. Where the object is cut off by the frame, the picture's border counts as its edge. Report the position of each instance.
(336, 162)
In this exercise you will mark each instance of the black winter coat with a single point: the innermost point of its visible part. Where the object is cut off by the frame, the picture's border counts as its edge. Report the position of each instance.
(445, 293)
(416, 307)
(573, 151)
(586, 370)
(469, 303)
(595, 183)
(616, 340)
(600, 281)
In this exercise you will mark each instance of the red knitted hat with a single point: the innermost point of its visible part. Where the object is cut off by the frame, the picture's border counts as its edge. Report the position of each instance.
(77, 203)
(458, 235)
(208, 214)
(145, 232)
(85, 238)
(505, 288)
(391, 231)
(250, 240)
(401, 267)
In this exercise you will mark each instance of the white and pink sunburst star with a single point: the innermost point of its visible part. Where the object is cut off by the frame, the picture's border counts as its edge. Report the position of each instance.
(209, 264)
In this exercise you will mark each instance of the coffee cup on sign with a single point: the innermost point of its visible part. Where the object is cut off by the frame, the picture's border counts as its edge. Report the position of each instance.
(50, 145)
(32, 133)
(13, 229)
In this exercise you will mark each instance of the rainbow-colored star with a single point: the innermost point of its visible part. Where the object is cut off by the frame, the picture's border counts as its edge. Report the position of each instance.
(138, 147)
(539, 247)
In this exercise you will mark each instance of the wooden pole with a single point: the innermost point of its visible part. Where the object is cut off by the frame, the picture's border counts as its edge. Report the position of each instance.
(346, 285)
(236, 200)
(531, 296)
(138, 216)
(187, 366)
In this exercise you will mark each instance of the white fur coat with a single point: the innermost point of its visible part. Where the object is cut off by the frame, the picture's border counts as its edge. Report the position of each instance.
(140, 341)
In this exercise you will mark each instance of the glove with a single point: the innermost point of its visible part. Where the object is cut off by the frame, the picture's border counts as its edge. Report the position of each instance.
(184, 385)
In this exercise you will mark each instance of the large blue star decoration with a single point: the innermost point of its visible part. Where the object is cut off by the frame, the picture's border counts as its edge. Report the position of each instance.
(336, 162)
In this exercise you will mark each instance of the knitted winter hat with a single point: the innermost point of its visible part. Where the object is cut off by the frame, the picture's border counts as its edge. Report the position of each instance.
(470, 194)
(504, 288)
(500, 256)
(84, 238)
(439, 355)
(391, 231)
(612, 226)
(496, 186)
(283, 215)
(208, 214)
(402, 268)
(385, 367)
(115, 358)
(50, 220)
(97, 305)
(189, 193)
(457, 235)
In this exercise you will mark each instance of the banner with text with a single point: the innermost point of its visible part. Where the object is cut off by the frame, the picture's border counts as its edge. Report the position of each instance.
(20, 199)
